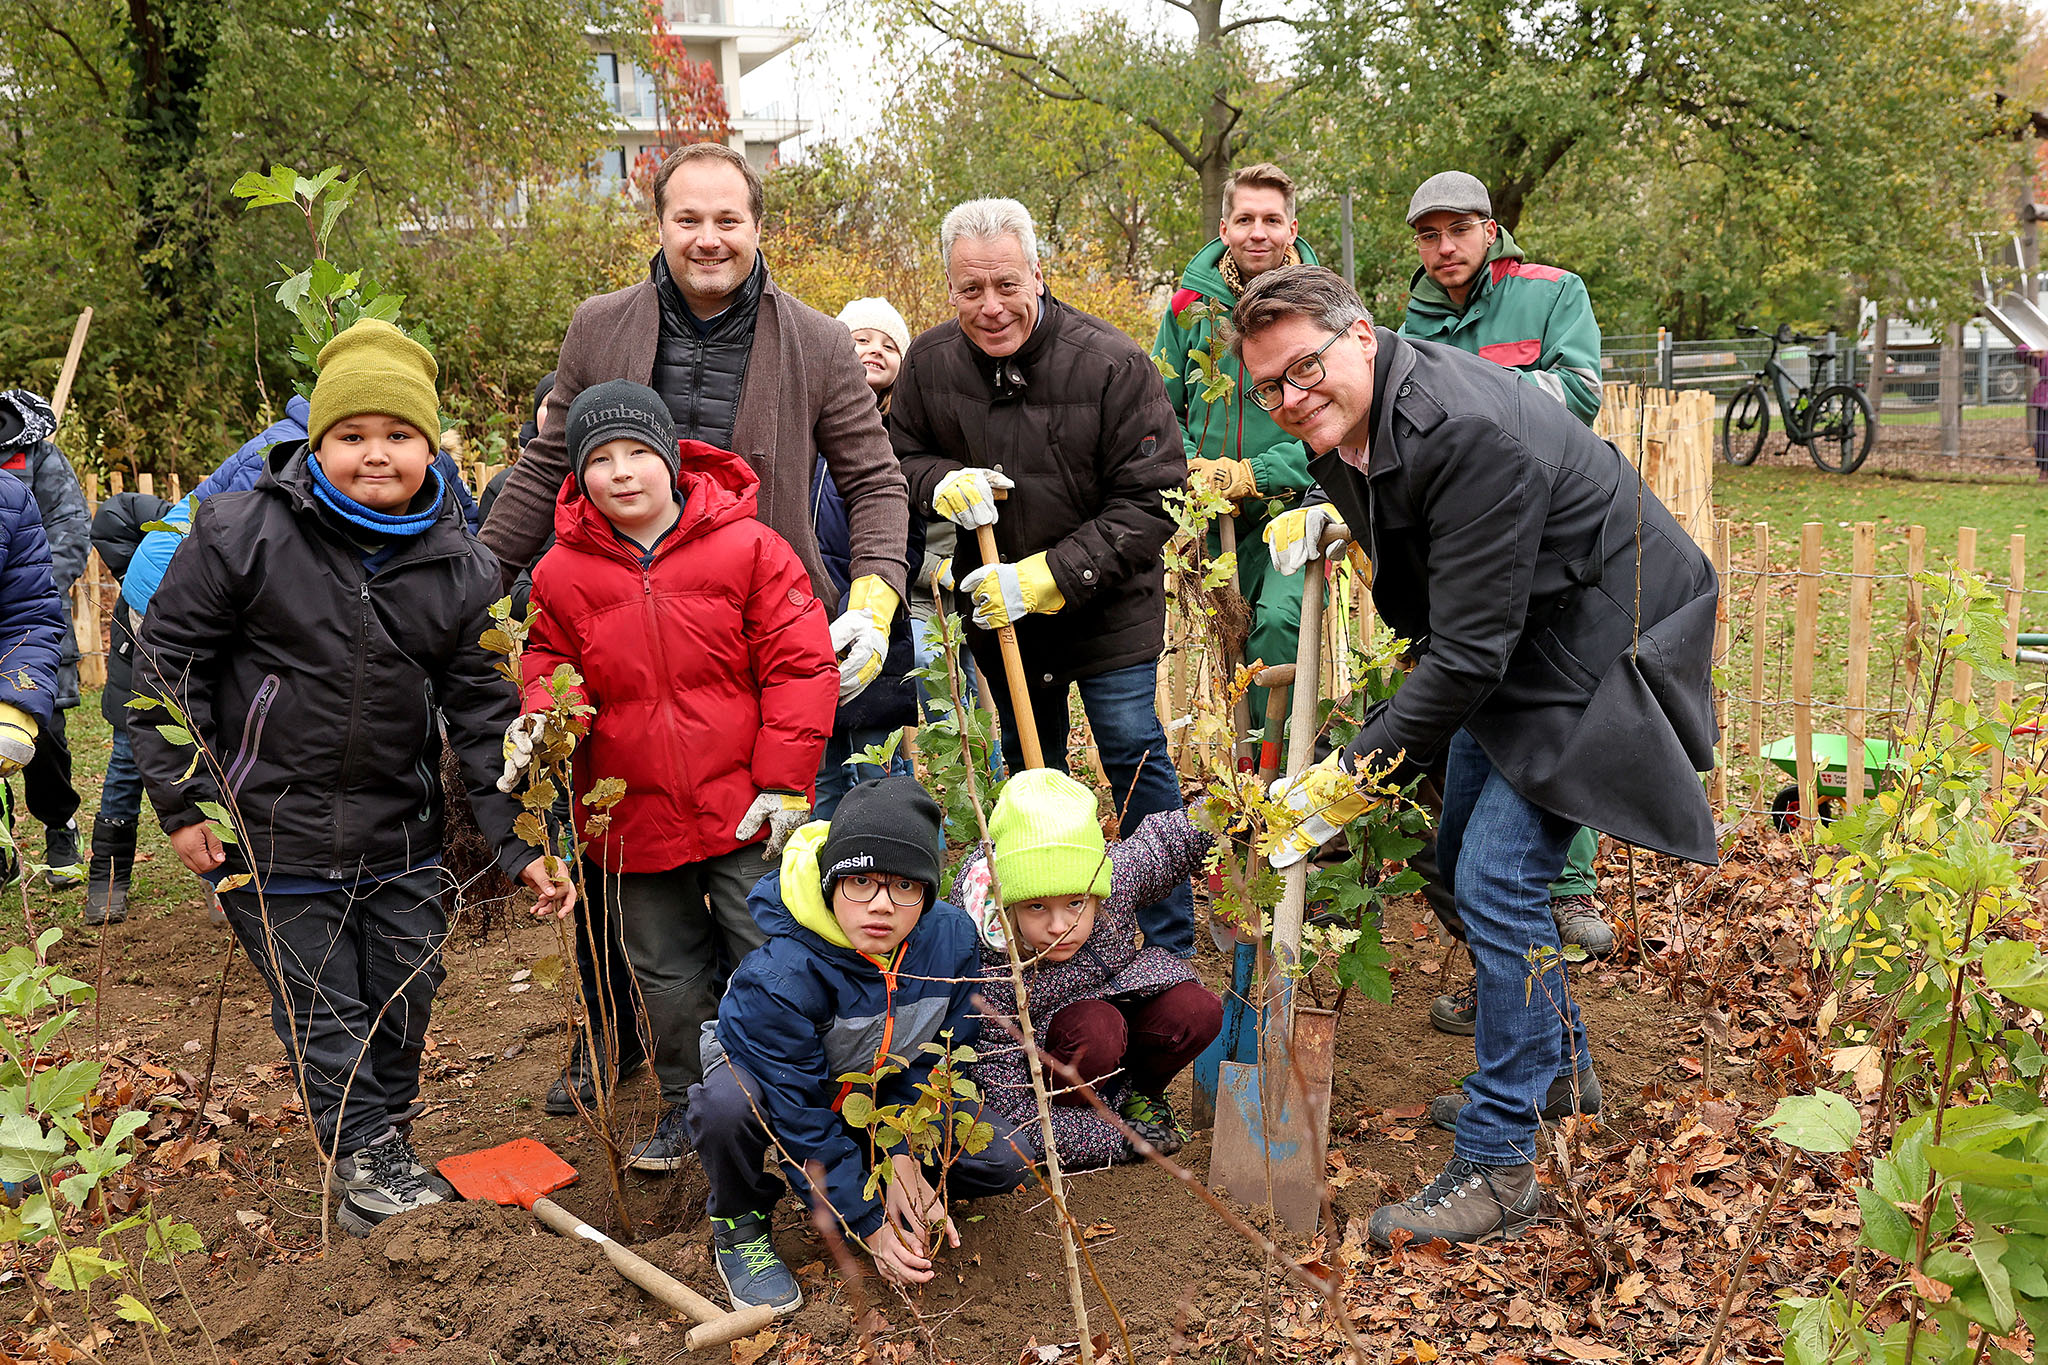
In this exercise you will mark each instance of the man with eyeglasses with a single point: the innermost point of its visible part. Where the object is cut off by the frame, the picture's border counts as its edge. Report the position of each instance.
(1563, 626)
(1475, 290)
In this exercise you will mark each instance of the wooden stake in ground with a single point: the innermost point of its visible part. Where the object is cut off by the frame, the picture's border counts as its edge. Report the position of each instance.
(1966, 562)
(1916, 564)
(2016, 551)
(1724, 553)
(1805, 624)
(1759, 636)
(62, 397)
(1857, 728)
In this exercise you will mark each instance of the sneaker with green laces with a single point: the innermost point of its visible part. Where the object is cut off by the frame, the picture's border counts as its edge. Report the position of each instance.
(754, 1275)
(1152, 1118)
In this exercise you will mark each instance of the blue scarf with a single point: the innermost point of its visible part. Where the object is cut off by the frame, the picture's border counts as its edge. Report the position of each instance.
(385, 525)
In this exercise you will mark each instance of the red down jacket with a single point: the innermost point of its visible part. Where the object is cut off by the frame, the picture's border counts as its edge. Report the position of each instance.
(711, 671)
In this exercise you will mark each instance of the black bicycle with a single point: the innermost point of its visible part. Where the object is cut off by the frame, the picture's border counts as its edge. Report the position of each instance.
(1833, 421)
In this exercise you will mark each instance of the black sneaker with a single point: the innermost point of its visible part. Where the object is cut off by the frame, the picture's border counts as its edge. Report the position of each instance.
(60, 851)
(1457, 1012)
(754, 1275)
(669, 1148)
(1467, 1204)
(378, 1182)
(1557, 1104)
(1151, 1117)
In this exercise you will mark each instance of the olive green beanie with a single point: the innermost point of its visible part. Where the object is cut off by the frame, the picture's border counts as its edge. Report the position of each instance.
(374, 367)
(1048, 838)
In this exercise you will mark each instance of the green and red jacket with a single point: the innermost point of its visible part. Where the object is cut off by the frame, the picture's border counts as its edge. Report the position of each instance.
(1234, 427)
(1533, 318)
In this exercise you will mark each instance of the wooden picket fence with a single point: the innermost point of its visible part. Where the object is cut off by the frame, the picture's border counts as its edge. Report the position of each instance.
(1668, 435)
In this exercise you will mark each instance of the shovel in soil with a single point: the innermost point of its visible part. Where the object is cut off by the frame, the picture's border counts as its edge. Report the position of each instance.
(526, 1172)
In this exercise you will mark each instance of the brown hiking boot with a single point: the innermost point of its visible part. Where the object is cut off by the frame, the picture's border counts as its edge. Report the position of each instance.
(1579, 921)
(1465, 1205)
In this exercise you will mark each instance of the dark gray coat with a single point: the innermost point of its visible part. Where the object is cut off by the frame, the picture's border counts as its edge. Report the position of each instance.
(1504, 540)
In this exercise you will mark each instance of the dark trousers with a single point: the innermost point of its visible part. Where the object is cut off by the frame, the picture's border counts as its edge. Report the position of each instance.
(609, 1000)
(46, 782)
(684, 931)
(1122, 712)
(1151, 1040)
(732, 1142)
(352, 977)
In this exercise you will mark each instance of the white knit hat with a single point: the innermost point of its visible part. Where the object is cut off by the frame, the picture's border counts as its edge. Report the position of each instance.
(878, 315)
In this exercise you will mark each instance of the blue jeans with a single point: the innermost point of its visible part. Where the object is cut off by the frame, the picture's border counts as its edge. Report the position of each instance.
(1500, 853)
(1132, 745)
(121, 793)
(836, 777)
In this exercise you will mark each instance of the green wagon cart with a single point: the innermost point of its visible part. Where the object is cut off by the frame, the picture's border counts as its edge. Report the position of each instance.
(1830, 774)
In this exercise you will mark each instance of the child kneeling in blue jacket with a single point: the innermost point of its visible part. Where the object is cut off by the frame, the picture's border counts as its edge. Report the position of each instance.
(863, 963)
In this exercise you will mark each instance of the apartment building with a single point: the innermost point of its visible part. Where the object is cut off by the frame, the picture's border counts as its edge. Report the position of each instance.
(710, 32)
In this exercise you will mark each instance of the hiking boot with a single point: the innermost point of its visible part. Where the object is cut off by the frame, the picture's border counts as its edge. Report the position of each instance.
(378, 1182)
(1579, 921)
(1457, 1012)
(1557, 1104)
(113, 863)
(1151, 1118)
(669, 1148)
(754, 1275)
(579, 1073)
(60, 851)
(420, 1171)
(1467, 1204)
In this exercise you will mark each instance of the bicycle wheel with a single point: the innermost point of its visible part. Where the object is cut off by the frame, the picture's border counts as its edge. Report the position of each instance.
(1745, 425)
(1842, 431)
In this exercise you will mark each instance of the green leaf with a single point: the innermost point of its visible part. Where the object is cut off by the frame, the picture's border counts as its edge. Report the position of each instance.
(1884, 1227)
(214, 810)
(26, 1150)
(166, 1237)
(128, 1308)
(139, 703)
(2016, 971)
(62, 1090)
(264, 191)
(857, 1109)
(1820, 1122)
(1987, 1168)
(1987, 1249)
(175, 734)
(81, 1266)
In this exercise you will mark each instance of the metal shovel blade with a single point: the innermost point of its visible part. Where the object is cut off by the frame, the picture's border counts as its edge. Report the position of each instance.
(517, 1172)
(1273, 1123)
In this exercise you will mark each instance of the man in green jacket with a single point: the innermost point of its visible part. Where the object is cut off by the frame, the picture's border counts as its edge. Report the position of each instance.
(1476, 291)
(1233, 444)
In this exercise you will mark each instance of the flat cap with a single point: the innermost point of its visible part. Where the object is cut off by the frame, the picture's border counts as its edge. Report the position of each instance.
(1450, 192)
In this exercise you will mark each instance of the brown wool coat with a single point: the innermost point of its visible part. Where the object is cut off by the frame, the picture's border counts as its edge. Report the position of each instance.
(805, 395)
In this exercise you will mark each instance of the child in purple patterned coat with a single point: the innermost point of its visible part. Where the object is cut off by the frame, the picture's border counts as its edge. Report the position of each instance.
(1128, 1019)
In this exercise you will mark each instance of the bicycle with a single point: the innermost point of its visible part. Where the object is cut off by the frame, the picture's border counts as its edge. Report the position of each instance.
(1834, 419)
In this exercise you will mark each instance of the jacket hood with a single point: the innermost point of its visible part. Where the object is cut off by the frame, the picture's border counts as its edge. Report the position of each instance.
(299, 410)
(1427, 298)
(1204, 275)
(717, 489)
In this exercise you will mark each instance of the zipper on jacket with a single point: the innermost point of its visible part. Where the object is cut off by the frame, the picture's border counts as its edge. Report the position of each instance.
(427, 746)
(888, 1019)
(252, 733)
(355, 712)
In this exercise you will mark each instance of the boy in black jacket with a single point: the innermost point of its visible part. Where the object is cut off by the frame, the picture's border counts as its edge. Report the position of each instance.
(311, 629)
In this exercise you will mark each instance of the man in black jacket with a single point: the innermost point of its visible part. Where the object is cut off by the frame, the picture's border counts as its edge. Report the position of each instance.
(1563, 625)
(1023, 393)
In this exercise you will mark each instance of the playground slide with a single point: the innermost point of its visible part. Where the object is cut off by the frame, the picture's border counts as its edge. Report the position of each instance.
(2020, 318)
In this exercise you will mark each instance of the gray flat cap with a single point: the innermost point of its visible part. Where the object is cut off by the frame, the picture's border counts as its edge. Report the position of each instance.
(1450, 192)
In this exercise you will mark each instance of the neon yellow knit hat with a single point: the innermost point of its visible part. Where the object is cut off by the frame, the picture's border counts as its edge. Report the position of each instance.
(374, 367)
(1048, 838)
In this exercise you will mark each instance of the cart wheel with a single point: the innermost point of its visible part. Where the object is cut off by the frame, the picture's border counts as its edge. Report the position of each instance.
(1785, 809)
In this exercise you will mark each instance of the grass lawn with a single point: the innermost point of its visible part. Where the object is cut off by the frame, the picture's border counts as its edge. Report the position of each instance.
(1785, 497)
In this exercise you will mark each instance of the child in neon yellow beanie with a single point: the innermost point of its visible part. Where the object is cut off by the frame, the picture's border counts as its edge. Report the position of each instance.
(1127, 1018)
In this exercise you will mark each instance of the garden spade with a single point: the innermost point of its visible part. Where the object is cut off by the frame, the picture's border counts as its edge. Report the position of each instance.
(526, 1172)
(1273, 1117)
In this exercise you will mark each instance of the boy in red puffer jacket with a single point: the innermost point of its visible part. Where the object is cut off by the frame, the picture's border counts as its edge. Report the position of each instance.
(709, 665)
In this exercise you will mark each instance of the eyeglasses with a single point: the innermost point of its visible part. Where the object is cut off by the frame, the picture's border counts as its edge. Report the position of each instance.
(1304, 374)
(1457, 232)
(861, 888)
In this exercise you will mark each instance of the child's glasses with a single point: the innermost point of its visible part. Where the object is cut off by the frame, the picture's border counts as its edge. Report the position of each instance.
(862, 888)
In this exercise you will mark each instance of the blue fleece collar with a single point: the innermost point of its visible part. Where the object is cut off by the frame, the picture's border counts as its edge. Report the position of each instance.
(386, 524)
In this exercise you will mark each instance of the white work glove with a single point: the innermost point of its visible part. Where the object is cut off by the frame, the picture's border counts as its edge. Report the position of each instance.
(783, 812)
(1296, 537)
(520, 737)
(966, 498)
(861, 645)
(1328, 798)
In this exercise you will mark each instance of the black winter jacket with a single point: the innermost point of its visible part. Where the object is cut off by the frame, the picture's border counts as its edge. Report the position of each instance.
(698, 370)
(1082, 423)
(314, 684)
(116, 531)
(1504, 542)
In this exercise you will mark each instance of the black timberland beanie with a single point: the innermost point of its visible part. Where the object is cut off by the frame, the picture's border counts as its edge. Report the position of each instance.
(619, 407)
(886, 825)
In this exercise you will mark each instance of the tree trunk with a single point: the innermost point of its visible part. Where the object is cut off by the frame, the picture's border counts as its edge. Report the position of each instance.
(170, 43)
(1951, 391)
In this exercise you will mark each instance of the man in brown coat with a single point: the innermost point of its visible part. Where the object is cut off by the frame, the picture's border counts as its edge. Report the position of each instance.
(744, 367)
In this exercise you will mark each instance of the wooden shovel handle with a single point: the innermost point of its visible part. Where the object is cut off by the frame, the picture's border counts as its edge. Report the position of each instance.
(717, 1325)
(1013, 663)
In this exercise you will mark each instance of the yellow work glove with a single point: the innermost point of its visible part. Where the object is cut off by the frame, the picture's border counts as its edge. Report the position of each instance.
(1327, 798)
(871, 595)
(966, 497)
(1232, 479)
(1295, 537)
(17, 739)
(861, 634)
(1006, 593)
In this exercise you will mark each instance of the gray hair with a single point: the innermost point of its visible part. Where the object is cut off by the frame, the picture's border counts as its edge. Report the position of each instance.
(1296, 291)
(983, 220)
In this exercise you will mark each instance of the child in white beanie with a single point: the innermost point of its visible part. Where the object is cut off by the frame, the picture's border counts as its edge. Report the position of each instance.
(880, 337)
